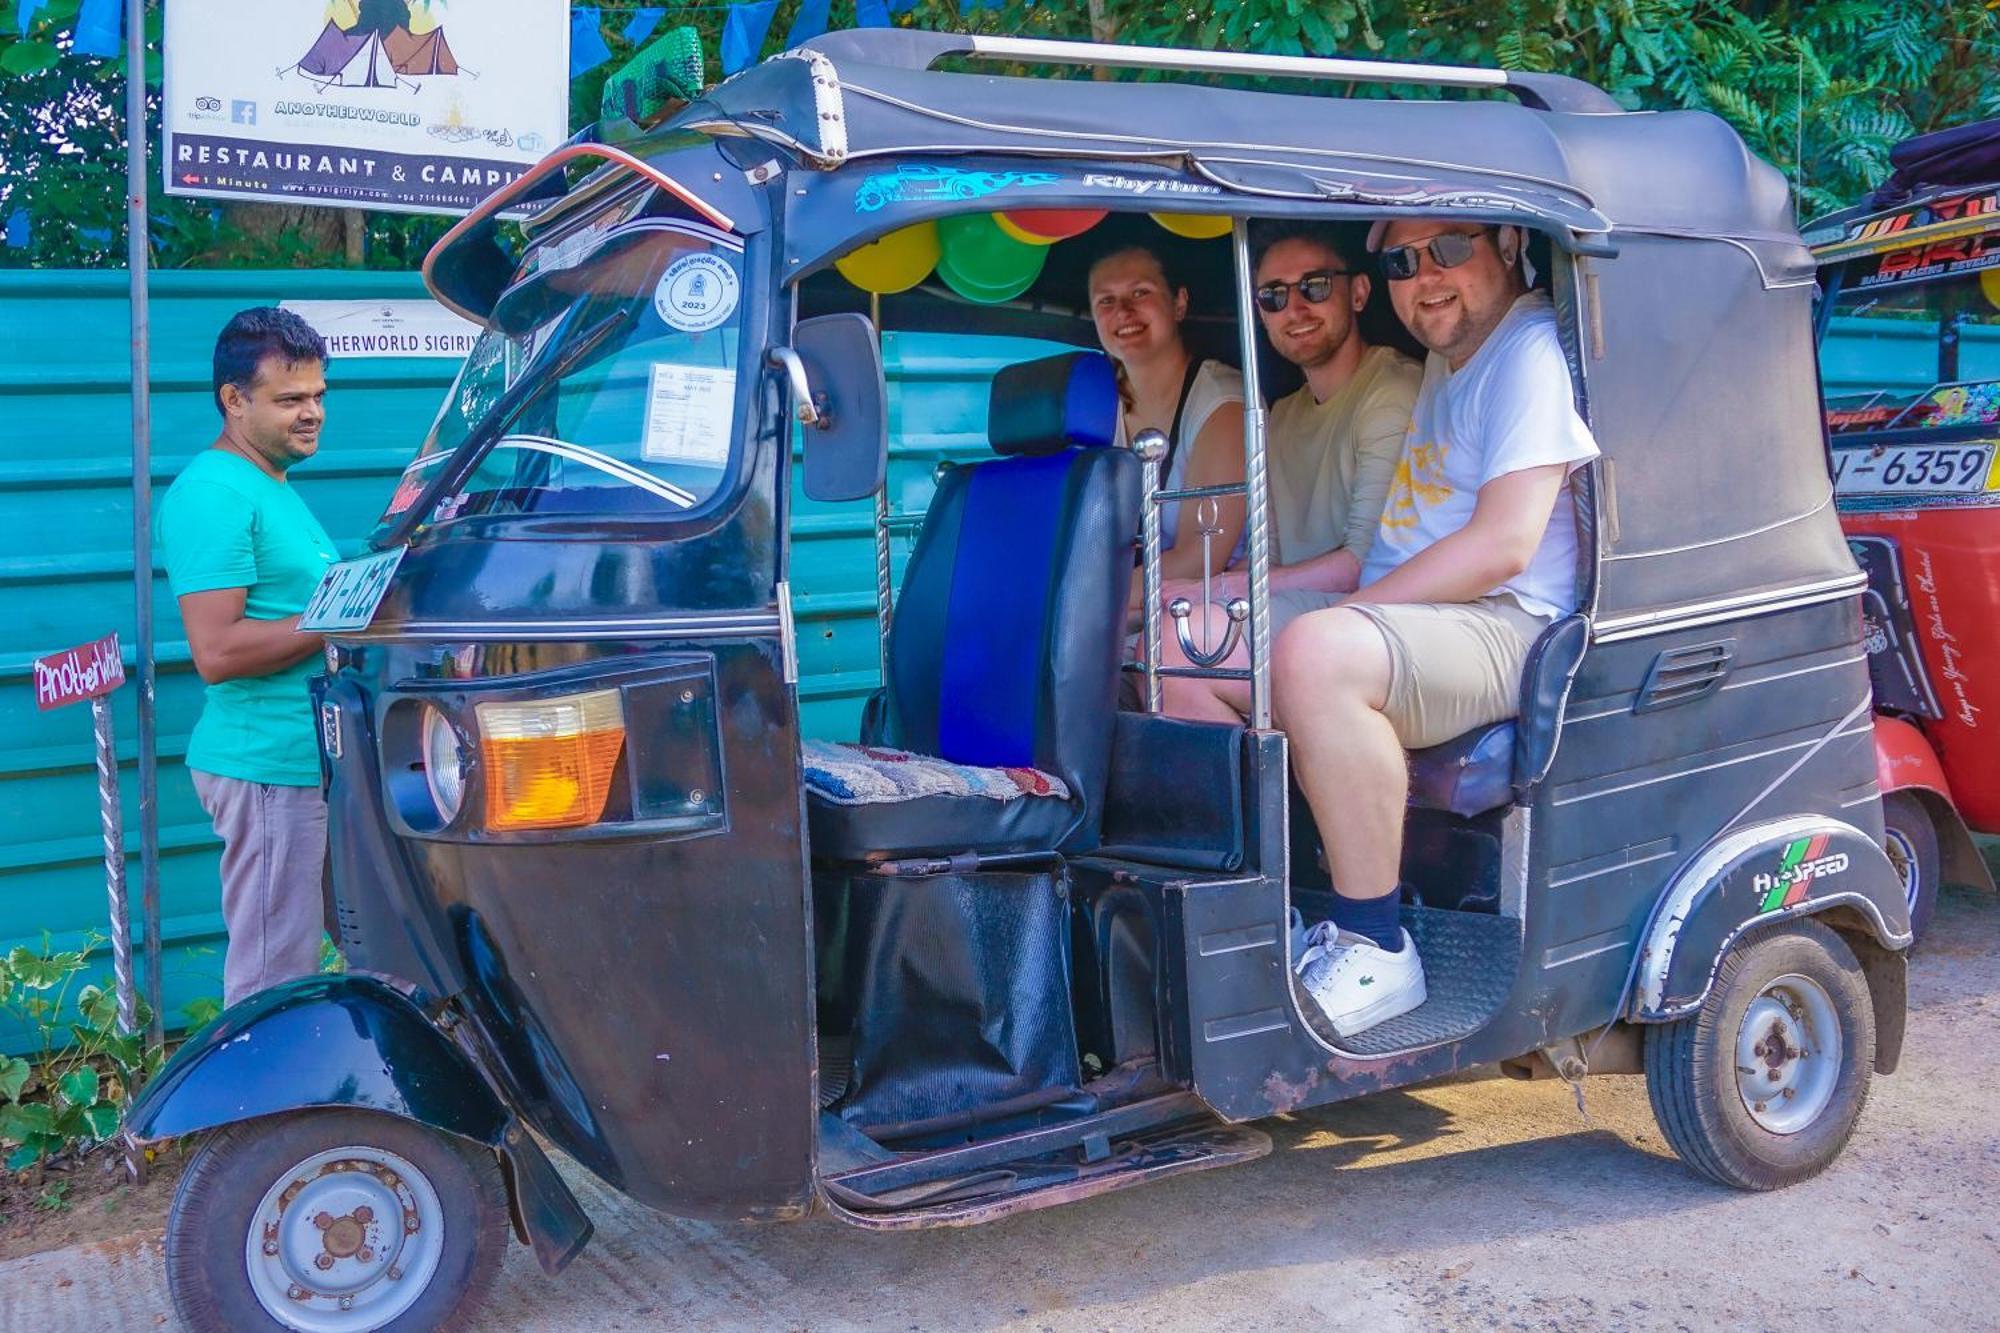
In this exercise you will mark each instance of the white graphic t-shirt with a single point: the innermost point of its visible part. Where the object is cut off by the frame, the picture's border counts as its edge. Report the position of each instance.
(1509, 408)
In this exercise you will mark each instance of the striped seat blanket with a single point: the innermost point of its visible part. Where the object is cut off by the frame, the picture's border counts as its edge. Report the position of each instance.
(845, 774)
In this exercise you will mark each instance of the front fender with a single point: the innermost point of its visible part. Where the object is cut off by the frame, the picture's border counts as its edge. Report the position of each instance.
(329, 1040)
(1766, 872)
(1905, 761)
(353, 1041)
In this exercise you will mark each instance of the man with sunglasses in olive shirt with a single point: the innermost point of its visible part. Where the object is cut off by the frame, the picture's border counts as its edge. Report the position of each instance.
(1332, 445)
(1475, 556)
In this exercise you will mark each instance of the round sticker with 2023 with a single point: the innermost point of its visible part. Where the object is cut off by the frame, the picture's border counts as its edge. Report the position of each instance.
(696, 293)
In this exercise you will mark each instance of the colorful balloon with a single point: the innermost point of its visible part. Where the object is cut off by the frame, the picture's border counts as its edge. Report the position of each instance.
(983, 263)
(1989, 286)
(893, 263)
(1195, 226)
(1046, 226)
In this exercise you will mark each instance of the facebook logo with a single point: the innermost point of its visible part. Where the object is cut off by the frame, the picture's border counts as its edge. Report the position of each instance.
(242, 113)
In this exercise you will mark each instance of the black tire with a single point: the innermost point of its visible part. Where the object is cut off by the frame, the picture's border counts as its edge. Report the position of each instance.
(1692, 1071)
(1912, 844)
(227, 1180)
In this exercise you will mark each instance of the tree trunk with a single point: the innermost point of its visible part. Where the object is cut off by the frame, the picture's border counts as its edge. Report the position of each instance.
(282, 226)
(1102, 29)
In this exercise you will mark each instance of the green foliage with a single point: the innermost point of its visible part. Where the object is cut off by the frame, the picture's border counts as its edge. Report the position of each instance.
(71, 1092)
(1821, 88)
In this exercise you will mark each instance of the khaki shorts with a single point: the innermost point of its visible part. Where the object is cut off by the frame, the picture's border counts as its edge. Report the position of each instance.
(1453, 667)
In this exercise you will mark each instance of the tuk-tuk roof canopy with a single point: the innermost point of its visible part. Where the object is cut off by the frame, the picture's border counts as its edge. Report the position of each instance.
(871, 94)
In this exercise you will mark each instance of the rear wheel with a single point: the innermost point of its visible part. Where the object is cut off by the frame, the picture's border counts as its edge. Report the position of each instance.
(335, 1221)
(1761, 1087)
(1912, 843)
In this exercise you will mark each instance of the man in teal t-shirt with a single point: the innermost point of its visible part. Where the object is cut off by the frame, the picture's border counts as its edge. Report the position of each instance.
(243, 556)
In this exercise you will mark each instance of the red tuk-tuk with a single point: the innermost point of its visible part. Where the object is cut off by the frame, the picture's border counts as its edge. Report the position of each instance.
(1909, 333)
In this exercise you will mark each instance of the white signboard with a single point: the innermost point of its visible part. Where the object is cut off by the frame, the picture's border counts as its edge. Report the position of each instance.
(387, 328)
(409, 105)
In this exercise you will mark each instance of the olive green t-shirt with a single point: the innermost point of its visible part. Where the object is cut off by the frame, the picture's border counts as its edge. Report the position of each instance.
(225, 523)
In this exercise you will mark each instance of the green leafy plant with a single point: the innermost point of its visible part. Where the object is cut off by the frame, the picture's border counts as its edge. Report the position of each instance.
(1821, 88)
(71, 1092)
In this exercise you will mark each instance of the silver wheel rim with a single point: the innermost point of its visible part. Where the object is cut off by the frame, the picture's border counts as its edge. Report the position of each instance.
(346, 1240)
(1903, 856)
(1788, 1051)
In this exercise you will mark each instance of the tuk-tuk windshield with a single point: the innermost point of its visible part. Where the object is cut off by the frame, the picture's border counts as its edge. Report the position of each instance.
(1922, 355)
(605, 380)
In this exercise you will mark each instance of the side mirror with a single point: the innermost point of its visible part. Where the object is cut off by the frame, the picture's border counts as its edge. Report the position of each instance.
(839, 396)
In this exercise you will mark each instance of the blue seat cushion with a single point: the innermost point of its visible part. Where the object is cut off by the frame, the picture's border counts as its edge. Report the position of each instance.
(1468, 775)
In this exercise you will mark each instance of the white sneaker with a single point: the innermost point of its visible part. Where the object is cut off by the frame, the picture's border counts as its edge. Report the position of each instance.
(1358, 984)
(1298, 932)
(1310, 944)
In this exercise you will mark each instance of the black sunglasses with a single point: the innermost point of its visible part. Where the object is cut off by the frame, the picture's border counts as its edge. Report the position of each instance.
(1315, 287)
(1447, 249)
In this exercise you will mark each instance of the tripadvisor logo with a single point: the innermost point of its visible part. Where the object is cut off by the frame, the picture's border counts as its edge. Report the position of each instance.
(1805, 860)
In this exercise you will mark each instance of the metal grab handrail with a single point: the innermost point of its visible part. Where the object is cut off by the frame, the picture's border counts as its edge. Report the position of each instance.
(908, 48)
(1202, 492)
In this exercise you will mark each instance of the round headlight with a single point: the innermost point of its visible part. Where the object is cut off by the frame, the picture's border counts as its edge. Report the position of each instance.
(444, 767)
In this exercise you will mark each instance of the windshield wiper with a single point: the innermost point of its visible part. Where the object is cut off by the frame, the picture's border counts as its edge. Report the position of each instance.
(472, 452)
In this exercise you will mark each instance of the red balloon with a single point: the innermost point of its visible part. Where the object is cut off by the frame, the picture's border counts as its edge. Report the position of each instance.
(1046, 226)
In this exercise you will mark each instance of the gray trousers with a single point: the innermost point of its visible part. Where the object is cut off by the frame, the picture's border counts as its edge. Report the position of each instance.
(273, 879)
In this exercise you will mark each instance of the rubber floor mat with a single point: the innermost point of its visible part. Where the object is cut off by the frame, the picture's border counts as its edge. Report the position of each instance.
(1470, 962)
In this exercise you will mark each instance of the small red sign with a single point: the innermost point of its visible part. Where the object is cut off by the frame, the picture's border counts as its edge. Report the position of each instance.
(83, 672)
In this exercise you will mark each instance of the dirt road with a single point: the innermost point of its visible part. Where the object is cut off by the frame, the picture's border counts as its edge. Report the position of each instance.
(1480, 1203)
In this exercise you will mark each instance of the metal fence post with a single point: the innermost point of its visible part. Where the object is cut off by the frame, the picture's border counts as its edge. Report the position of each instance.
(136, 241)
(113, 819)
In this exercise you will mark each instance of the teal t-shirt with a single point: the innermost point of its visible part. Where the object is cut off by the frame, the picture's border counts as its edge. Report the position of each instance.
(225, 523)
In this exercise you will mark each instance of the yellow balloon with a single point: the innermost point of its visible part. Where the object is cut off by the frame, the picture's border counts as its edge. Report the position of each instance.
(893, 263)
(1989, 286)
(1195, 226)
(1017, 232)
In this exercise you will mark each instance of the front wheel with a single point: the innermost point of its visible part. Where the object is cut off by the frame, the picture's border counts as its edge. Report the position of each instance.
(335, 1221)
(1760, 1087)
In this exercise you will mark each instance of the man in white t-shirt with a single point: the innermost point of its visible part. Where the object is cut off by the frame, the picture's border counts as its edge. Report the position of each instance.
(1476, 555)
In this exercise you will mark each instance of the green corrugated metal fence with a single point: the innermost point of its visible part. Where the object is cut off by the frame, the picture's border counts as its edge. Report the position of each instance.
(66, 569)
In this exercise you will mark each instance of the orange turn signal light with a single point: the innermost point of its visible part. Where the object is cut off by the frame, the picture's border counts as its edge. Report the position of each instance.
(549, 762)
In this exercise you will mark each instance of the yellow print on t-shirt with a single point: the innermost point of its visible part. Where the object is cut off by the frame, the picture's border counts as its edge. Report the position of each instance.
(1419, 477)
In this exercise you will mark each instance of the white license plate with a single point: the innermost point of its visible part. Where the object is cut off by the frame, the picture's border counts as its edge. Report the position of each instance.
(1911, 469)
(349, 592)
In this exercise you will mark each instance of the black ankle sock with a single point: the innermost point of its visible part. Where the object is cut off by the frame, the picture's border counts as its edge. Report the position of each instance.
(1380, 919)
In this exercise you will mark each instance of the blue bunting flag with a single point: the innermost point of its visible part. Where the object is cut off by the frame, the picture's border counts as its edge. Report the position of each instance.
(586, 42)
(810, 22)
(871, 13)
(743, 31)
(20, 229)
(644, 20)
(98, 29)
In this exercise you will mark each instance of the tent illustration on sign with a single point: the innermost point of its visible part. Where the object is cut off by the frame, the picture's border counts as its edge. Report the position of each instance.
(377, 49)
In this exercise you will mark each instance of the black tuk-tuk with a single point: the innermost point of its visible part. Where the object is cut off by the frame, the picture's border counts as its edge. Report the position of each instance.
(597, 893)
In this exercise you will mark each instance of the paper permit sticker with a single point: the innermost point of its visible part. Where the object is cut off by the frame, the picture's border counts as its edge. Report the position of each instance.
(689, 414)
(696, 293)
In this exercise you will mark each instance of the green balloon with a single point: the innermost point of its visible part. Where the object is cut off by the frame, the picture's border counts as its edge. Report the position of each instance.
(983, 263)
